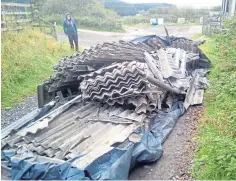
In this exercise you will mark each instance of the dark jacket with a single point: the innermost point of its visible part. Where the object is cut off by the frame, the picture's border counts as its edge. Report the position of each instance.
(69, 27)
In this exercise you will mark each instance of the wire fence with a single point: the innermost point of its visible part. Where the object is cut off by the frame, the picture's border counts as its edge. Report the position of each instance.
(18, 15)
(212, 24)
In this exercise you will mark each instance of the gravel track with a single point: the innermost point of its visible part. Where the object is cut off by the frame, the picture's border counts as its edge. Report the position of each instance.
(178, 152)
(16, 112)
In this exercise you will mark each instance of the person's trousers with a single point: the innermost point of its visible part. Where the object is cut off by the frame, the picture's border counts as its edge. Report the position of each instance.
(73, 39)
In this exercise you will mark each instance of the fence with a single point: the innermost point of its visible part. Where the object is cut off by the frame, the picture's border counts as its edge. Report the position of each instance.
(19, 15)
(16, 16)
(46, 27)
(211, 24)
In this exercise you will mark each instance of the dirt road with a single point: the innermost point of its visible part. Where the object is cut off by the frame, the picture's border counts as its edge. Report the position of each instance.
(89, 38)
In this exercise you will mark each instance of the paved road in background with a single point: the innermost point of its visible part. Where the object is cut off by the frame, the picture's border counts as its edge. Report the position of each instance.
(89, 38)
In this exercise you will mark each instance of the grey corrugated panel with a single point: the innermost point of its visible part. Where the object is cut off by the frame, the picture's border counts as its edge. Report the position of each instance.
(103, 70)
(117, 86)
(165, 67)
(113, 119)
(183, 64)
(110, 77)
(54, 141)
(59, 124)
(122, 91)
(112, 71)
(121, 100)
(198, 97)
(18, 123)
(13, 140)
(179, 83)
(115, 111)
(152, 66)
(141, 102)
(92, 91)
(141, 109)
(46, 143)
(45, 120)
(116, 134)
(47, 132)
(96, 136)
(91, 130)
(109, 81)
(119, 112)
(193, 96)
(50, 152)
(71, 141)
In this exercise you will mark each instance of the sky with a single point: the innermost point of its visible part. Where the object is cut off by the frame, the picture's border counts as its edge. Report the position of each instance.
(181, 3)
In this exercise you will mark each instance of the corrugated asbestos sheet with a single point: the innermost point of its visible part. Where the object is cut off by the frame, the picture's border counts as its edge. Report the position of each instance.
(89, 129)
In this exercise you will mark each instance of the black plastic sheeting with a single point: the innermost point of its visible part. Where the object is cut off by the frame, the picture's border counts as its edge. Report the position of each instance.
(114, 165)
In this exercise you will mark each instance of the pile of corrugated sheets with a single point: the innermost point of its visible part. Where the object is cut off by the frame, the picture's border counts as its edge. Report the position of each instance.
(166, 74)
(123, 86)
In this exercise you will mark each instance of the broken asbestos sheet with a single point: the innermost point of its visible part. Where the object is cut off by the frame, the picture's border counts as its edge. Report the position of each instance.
(127, 99)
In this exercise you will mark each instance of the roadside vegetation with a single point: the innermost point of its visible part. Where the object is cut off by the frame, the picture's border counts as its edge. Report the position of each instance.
(115, 15)
(89, 14)
(27, 60)
(216, 155)
(170, 15)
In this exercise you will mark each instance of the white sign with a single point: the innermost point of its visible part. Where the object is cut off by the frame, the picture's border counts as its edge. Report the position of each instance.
(181, 20)
(160, 21)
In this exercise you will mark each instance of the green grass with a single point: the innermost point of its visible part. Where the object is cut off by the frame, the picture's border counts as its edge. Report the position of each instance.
(27, 60)
(196, 36)
(216, 155)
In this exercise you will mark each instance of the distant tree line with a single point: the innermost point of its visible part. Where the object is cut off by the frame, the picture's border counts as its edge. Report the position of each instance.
(128, 9)
(190, 14)
(170, 14)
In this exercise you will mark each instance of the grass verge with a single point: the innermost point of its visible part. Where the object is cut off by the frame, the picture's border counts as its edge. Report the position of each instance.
(216, 155)
(27, 60)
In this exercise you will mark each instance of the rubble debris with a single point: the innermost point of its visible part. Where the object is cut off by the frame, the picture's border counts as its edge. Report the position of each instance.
(125, 98)
(165, 70)
(70, 68)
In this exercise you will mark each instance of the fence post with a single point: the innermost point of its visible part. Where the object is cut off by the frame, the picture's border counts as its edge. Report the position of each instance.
(55, 29)
(32, 14)
(40, 24)
(203, 24)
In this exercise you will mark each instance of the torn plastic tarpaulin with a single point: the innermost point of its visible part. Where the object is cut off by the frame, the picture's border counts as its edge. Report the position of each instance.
(27, 166)
(114, 165)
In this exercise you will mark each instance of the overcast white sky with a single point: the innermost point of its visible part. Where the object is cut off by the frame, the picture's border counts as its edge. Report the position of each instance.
(189, 3)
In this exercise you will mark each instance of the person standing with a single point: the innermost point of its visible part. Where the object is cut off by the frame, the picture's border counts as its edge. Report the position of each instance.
(70, 29)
